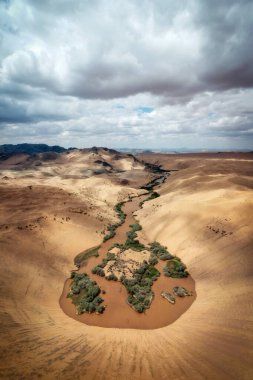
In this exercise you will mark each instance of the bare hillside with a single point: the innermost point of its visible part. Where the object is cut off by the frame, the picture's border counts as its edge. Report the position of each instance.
(204, 215)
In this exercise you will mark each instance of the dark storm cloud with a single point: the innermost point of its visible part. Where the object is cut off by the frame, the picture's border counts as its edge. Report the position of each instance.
(10, 113)
(140, 52)
(65, 62)
(145, 51)
(227, 51)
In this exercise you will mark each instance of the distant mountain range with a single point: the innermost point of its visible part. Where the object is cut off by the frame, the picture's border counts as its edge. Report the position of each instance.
(8, 149)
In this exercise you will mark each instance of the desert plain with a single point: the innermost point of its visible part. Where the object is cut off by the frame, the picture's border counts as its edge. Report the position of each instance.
(54, 206)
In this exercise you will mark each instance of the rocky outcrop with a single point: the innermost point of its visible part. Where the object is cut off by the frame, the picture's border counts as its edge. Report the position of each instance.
(181, 292)
(169, 297)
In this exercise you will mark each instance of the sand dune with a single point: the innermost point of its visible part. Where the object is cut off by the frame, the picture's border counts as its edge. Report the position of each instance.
(204, 215)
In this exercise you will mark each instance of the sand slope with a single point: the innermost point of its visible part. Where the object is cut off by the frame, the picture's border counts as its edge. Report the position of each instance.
(212, 340)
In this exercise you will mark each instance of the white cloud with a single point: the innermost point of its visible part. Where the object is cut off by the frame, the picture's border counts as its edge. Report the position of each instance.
(76, 73)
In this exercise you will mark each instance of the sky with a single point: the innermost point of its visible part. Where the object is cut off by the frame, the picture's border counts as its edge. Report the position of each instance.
(150, 74)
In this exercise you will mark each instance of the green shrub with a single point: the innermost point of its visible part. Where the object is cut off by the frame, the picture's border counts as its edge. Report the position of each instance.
(111, 277)
(98, 270)
(110, 256)
(112, 227)
(135, 245)
(139, 287)
(153, 260)
(152, 273)
(131, 235)
(136, 227)
(118, 209)
(152, 195)
(139, 307)
(100, 309)
(175, 268)
(165, 256)
(84, 294)
(98, 300)
(72, 274)
(160, 251)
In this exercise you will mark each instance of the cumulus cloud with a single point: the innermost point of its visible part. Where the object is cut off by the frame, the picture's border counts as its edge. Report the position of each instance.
(147, 73)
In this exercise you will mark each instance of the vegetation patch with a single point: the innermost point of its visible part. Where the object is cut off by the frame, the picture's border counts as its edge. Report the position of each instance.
(153, 195)
(153, 260)
(181, 292)
(131, 241)
(160, 251)
(119, 211)
(99, 269)
(139, 287)
(175, 268)
(136, 227)
(112, 277)
(82, 257)
(111, 228)
(85, 294)
(135, 245)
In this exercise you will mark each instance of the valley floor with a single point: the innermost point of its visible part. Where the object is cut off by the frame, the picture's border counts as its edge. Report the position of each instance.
(204, 215)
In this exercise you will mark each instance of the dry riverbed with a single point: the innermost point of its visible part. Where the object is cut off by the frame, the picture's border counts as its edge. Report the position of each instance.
(118, 313)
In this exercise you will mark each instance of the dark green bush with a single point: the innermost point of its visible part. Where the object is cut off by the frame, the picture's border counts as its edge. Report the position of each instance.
(98, 270)
(139, 287)
(153, 260)
(112, 227)
(111, 277)
(118, 209)
(100, 309)
(152, 195)
(131, 235)
(160, 251)
(175, 268)
(136, 227)
(72, 274)
(84, 293)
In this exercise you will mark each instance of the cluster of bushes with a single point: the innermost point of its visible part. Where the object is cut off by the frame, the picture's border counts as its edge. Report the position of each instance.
(139, 287)
(85, 255)
(112, 277)
(119, 211)
(131, 241)
(160, 251)
(111, 228)
(153, 260)
(133, 244)
(99, 269)
(85, 294)
(136, 227)
(175, 268)
(153, 195)
(131, 235)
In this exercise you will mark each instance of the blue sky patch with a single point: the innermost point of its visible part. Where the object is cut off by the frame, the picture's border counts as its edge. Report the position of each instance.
(144, 109)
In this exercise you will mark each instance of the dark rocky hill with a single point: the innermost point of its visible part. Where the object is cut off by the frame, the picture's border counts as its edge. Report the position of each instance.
(8, 149)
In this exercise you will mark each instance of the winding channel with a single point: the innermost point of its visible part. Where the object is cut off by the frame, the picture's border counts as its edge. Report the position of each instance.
(118, 313)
